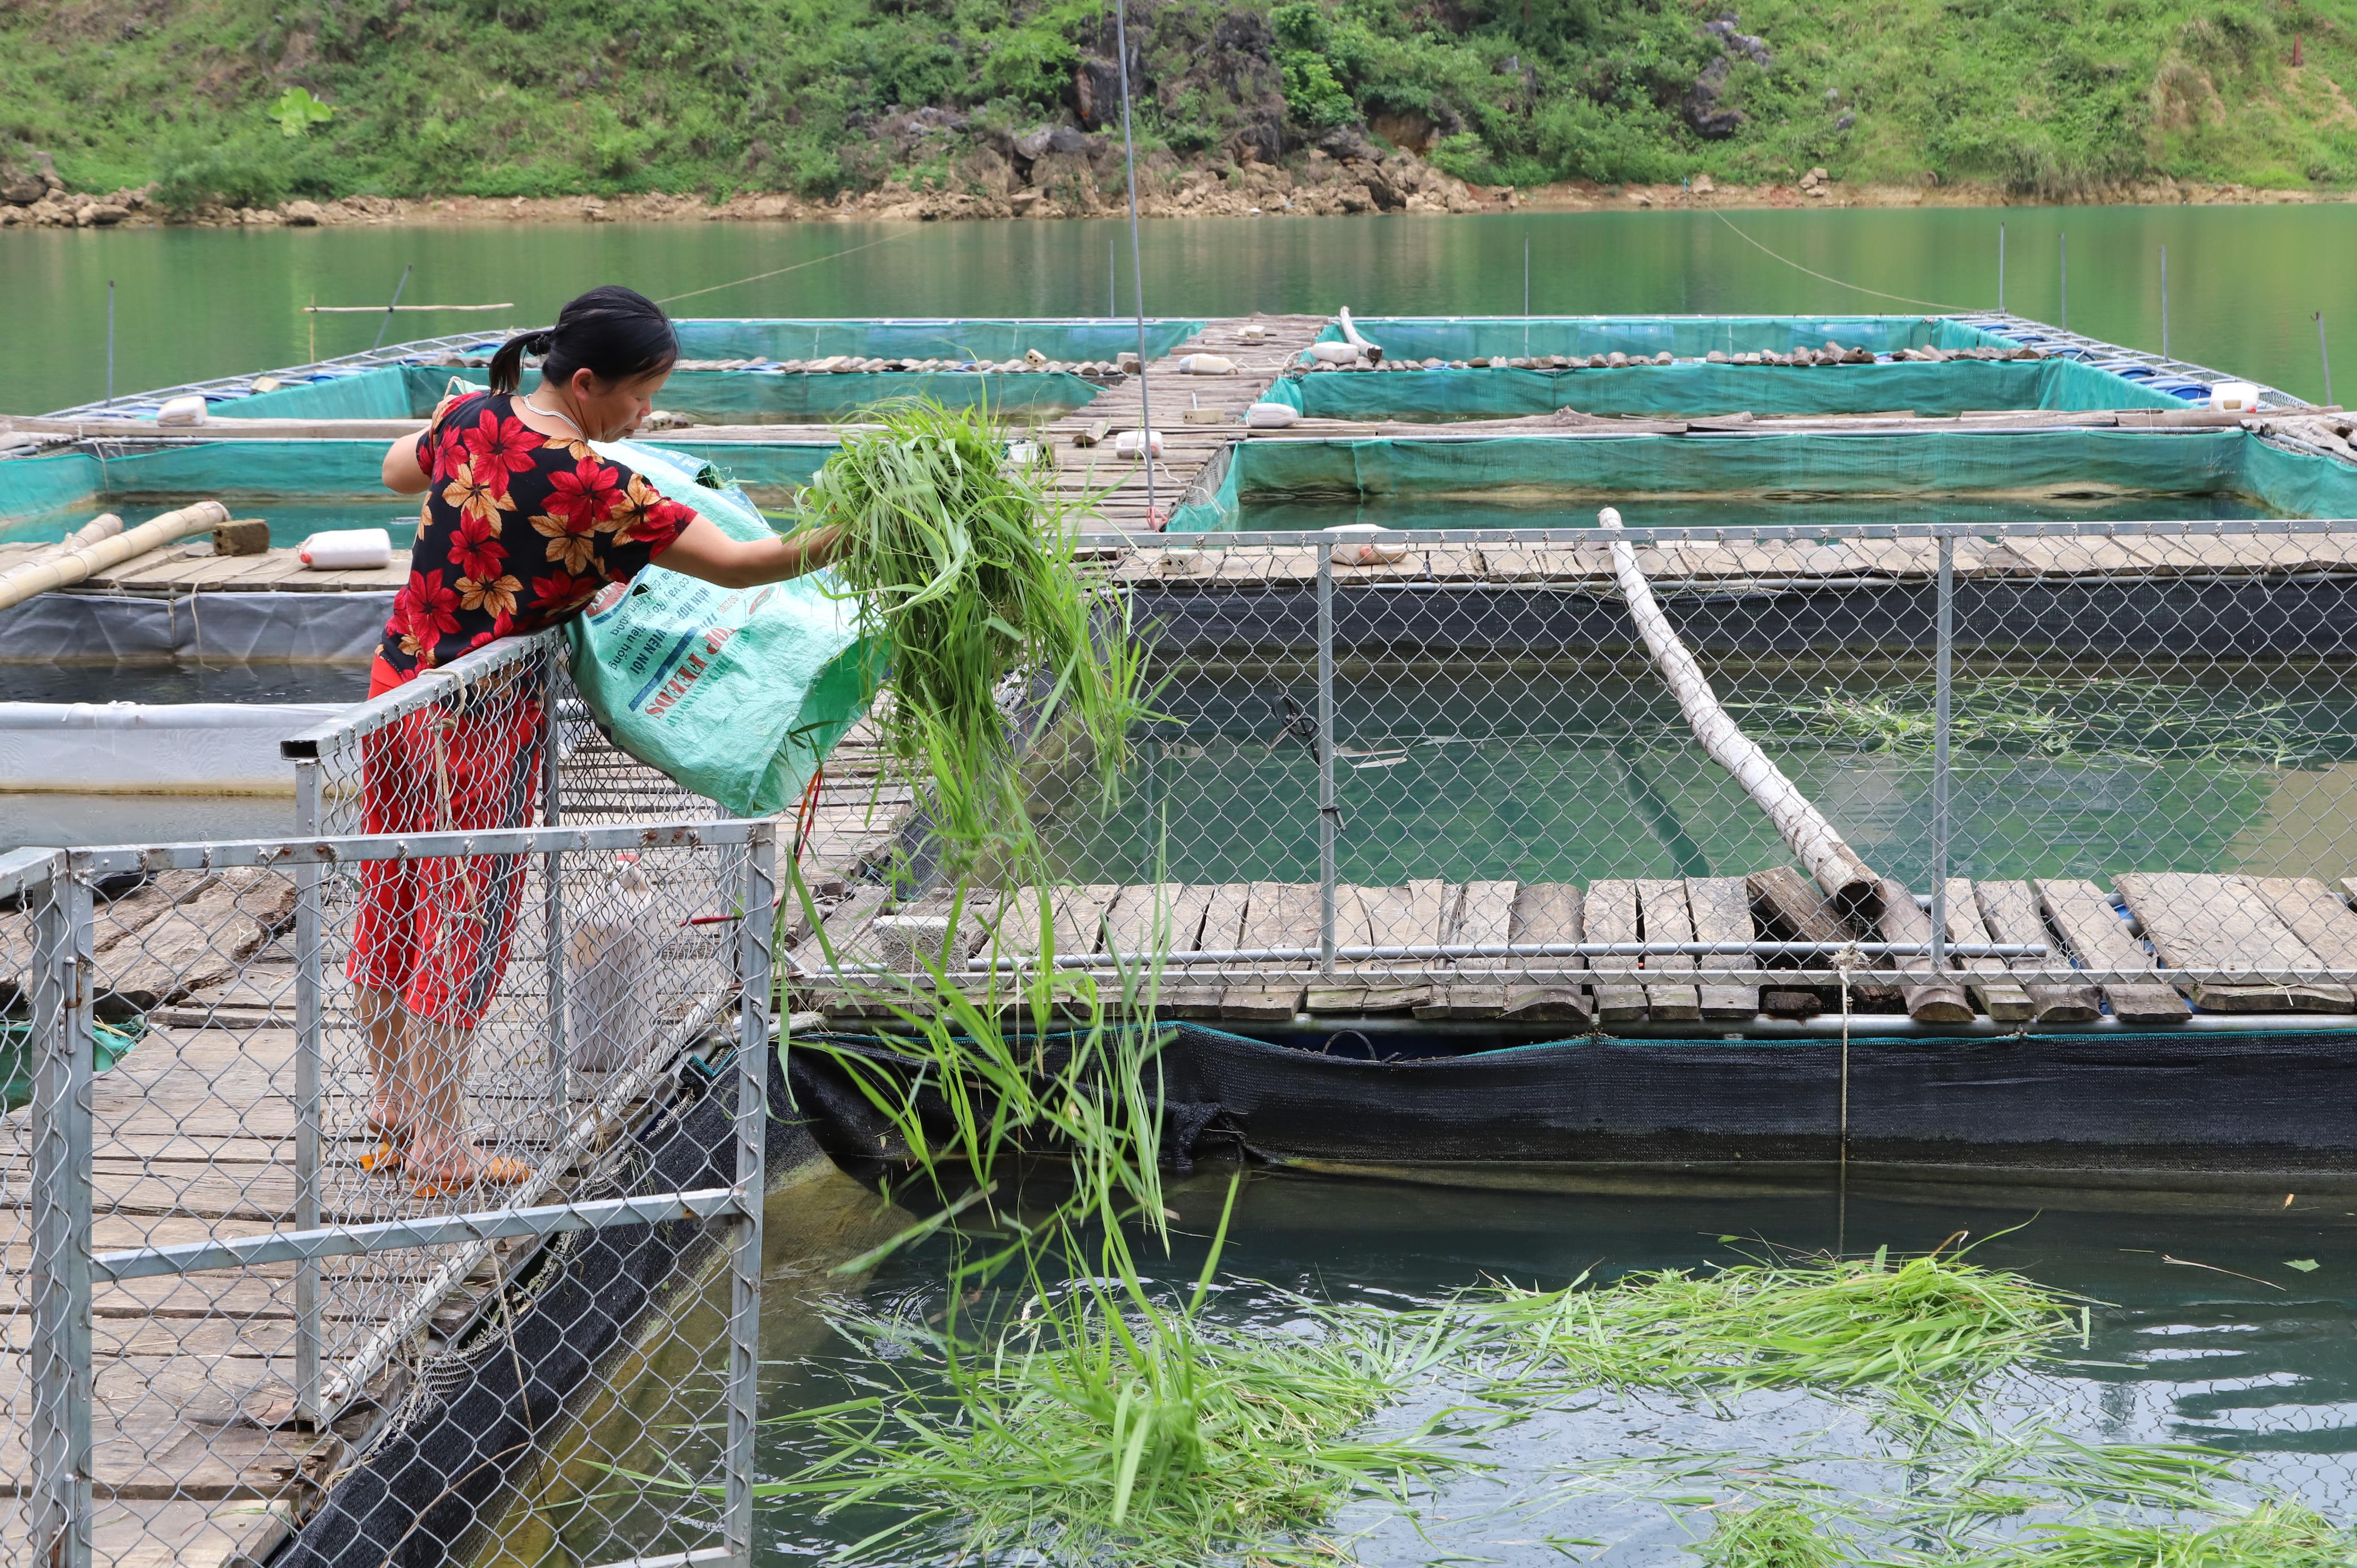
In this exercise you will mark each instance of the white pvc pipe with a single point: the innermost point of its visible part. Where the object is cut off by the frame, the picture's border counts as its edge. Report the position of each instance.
(73, 565)
(1814, 840)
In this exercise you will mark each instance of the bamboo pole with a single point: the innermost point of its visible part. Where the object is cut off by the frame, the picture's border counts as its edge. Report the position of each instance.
(1837, 867)
(74, 563)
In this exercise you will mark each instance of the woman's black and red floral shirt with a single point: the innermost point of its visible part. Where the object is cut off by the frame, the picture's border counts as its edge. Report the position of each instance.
(518, 531)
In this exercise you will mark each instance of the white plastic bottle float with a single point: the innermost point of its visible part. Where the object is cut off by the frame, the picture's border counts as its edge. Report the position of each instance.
(347, 549)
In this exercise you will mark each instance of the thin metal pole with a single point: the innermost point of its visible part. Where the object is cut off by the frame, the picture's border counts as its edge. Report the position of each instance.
(2000, 269)
(2065, 322)
(308, 993)
(391, 308)
(1943, 658)
(1113, 277)
(1137, 260)
(1328, 810)
(110, 342)
(560, 1045)
(1526, 295)
(61, 1349)
(2164, 302)
(2322, 358)
(758, 910)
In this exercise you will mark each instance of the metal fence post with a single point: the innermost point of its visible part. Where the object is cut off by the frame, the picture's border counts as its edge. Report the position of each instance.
(758, 915)
(1328, 810)
(61, 1348)
(560, 1053)
(1943, 658)
(309, 1062)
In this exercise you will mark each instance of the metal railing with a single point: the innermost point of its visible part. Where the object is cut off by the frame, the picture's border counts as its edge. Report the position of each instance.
(236, 1240)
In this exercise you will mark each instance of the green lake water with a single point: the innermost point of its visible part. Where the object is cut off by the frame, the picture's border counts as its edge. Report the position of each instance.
(192, 303)
(2262, 1369)
(1559, 773)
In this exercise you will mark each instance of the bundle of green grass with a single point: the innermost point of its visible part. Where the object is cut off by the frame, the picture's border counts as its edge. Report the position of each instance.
(963, 564)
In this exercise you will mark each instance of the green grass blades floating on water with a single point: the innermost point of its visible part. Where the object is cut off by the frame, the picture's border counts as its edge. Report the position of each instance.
(962, 562)
(1840, 1323)
(1772, 1535)
(1105, 1430)
(2273, 1535)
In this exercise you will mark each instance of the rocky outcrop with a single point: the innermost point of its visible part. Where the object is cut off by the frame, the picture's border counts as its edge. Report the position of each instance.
(1702, 105)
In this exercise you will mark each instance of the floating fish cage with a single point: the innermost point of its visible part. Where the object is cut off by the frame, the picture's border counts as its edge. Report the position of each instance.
(1739, 479)
(300, 487)
(1447, 369)
(731, 372)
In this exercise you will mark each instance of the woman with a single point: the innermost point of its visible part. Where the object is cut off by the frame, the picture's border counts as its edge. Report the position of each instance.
(522, 525)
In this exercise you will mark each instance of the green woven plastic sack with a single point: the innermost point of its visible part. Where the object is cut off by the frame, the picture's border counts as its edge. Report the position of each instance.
(738, 694)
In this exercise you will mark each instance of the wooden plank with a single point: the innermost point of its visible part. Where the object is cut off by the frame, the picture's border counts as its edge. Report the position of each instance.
(1788, 907)
(2315, 914)
(1933, 1001)
(2002, 1000)
(1078, 928)
(201, 943)
(1276, 915)
(2225, 922)
(1417, 914)
(1484, 912)
(2100, 940)
(1195, 993)
(1610, 914)
(1662, 913)
(1722, 913)
(1169, 914)
(1549, 912)
(2009, 909)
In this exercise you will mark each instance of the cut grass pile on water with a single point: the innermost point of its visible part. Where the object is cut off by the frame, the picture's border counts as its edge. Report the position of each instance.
(963, 562)
(2272, 1535)
(1105, 1430)
(2126, 716)
(1839, 1323)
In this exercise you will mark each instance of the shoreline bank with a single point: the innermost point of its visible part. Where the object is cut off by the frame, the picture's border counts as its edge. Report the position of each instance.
(1320, 187)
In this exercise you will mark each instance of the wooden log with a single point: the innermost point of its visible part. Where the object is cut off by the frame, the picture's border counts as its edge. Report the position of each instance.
(1722, 913)
(2225, 922)
(2001, 999)
(1276, 915)
(1484, 914)
(1610, 913)
(68, 566)
(1789, 907)
(2100, 940)
(1661, 911)
(1813, 839)
(2009, 909)
(1548, 912)
(1935, 1001)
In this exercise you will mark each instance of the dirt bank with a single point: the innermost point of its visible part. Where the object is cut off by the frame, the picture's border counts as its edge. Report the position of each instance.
(1087, 183)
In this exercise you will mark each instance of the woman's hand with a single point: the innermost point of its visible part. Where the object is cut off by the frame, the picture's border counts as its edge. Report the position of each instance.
(703, 551)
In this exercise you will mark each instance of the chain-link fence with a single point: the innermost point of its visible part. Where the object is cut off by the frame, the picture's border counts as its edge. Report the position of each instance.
(1466, 774)
(364, 1160)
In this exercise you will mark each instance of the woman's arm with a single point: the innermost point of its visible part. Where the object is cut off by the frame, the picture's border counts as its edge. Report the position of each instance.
(402, 477)
(703, 551)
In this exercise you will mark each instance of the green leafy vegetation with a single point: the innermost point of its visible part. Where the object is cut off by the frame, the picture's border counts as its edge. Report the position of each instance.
(1838, 1322)
(2053, 98)
(961, 563)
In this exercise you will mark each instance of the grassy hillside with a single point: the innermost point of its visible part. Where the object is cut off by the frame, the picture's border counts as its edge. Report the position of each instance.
(546, 97)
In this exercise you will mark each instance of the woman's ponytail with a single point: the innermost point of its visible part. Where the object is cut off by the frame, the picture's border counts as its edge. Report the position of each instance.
(507, 365)
(616, 334)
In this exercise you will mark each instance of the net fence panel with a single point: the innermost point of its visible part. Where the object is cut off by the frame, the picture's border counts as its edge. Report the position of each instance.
(370, 1039)
(2149, 737)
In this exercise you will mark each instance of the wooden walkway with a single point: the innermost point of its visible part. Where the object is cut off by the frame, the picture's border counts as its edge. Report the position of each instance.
(2162, 922)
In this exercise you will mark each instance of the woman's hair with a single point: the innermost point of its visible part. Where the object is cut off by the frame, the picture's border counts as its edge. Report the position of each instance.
(615, 333)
